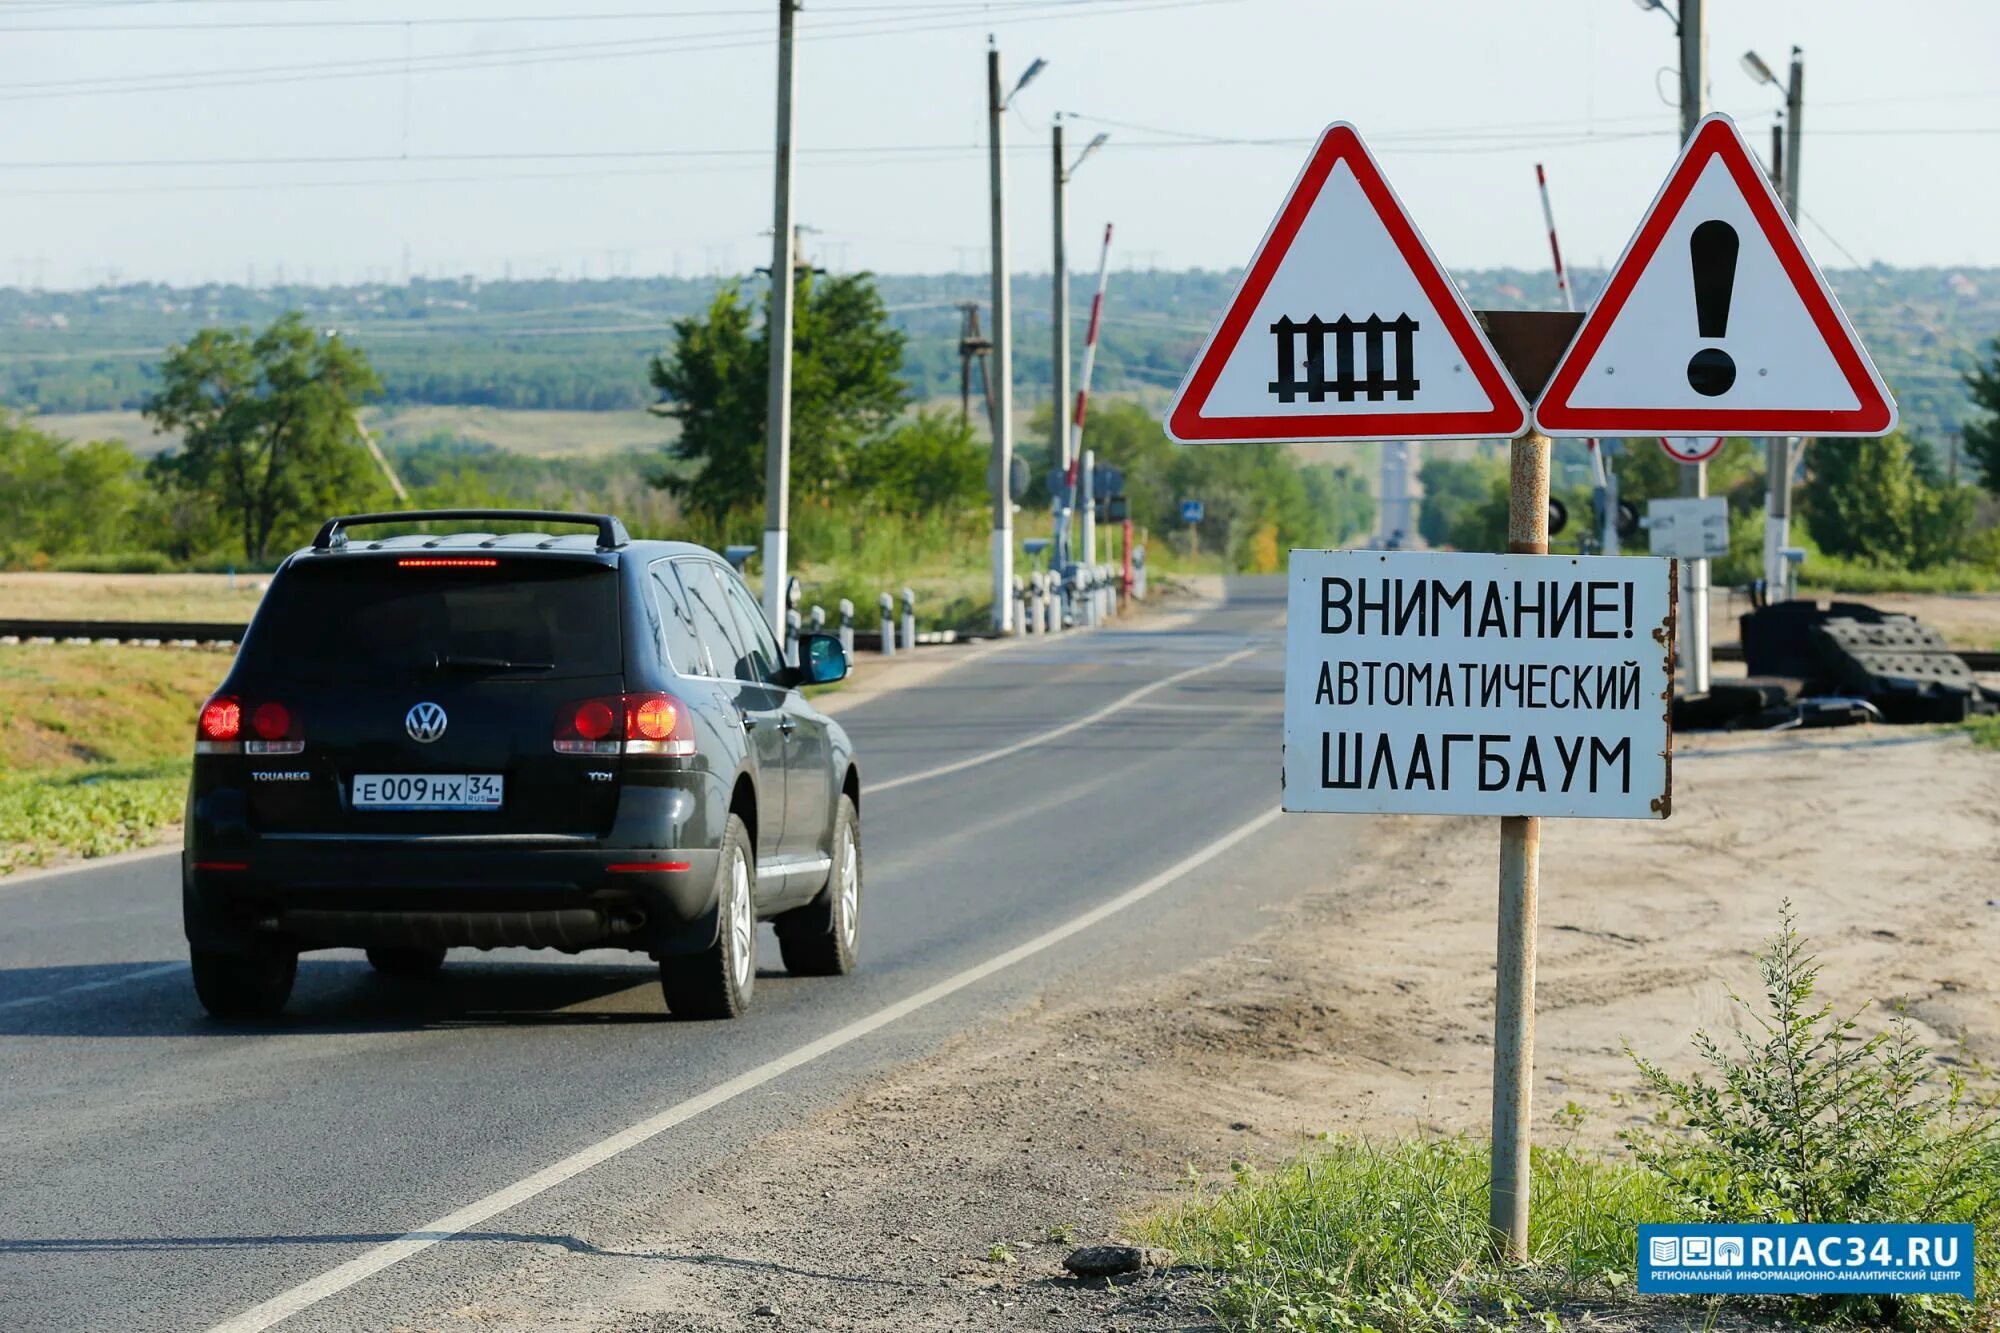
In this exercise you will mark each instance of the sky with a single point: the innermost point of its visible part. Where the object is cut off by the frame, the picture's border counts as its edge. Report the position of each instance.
(349, 141)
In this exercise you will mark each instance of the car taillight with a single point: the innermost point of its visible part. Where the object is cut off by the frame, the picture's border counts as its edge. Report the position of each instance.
(648, 723)
(273, 728)
(221, 721)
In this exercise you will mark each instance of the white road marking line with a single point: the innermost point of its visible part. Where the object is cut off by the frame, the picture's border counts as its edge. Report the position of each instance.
(339, 1279)
(123, 979)
(1043, 737)
(1211, 709)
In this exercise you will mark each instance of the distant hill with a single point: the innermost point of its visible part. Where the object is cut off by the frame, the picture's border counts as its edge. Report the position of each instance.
(582, 345)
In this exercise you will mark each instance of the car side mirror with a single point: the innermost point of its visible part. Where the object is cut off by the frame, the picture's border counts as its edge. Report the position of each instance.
(822, 660)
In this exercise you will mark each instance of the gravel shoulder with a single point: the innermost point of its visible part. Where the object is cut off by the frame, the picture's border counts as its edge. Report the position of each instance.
(1364, 1007)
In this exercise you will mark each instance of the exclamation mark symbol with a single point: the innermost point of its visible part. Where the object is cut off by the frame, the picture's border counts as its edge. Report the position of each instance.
(1712, 249)
(1628, 610)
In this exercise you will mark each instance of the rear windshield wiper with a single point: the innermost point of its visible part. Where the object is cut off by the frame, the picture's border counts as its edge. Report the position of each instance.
(490, 664)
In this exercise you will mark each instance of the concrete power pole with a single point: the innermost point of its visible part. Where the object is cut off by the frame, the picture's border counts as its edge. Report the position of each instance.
(1059, 311)
(1003, 360)
(1694, 476)
(778, 419)
(1778, 450)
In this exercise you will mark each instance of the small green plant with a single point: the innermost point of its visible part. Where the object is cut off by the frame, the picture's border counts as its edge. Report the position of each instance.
(1394, 1237)
(1062, 1233)
(1000, 1254)
(1809, 1120)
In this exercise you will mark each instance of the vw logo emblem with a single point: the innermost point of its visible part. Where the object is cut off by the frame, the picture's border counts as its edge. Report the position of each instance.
(424, 722)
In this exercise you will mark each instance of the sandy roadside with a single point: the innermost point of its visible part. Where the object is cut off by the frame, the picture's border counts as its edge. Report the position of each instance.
(1365, 1007)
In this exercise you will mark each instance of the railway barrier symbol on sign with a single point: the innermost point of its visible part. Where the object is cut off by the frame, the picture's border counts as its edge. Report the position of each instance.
(1343, 385)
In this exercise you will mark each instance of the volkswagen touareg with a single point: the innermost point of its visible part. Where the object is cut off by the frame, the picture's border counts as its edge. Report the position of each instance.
(491, 741)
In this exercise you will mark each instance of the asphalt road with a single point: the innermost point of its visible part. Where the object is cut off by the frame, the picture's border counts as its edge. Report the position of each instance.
(159, 1171)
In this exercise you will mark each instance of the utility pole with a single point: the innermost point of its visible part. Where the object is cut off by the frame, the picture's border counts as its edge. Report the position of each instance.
(1003, 360)
(1003, 342)
(1780, 450)
(1065, 425)
(778, 418)
(1059, 312)
(972, 346)
(1694, 476)
(1795, 97)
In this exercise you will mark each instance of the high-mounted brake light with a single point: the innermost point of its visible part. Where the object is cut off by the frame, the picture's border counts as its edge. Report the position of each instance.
(648, 723)
(446, 562)
(273, 728)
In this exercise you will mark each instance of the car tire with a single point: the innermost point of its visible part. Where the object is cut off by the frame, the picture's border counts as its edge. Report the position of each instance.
(239, 986)
(716, 983)
(406, 962)
(819, 939)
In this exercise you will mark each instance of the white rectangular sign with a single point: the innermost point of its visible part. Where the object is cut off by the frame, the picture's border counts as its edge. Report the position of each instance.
(1441, 683)
(1691, 528)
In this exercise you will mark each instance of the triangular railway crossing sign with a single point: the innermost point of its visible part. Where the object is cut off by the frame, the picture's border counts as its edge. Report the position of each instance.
(1345, 327)
(1715, 321)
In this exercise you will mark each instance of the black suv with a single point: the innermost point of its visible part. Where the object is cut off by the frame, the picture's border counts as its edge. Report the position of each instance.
(562, 742)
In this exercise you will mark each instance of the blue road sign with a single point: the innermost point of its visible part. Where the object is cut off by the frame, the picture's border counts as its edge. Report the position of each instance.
(1191, 511)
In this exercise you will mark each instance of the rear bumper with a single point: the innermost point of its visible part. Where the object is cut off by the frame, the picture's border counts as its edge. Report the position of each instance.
(245, 890)
(362, 894)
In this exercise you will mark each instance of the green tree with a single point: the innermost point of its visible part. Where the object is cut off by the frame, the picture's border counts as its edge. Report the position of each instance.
(1646, 473)
(1453, 489)
(1866, 500)
(929, 464)
(268, 426)
(1982, 438)
(846, 359)
(63, 498)
(1338, 492)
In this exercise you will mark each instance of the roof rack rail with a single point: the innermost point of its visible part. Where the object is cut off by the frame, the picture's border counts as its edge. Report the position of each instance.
(611, 533)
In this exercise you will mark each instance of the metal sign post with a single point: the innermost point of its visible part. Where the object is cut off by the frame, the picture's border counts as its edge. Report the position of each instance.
(1520, 881)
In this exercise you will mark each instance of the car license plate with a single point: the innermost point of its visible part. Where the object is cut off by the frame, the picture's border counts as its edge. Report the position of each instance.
(427, 791)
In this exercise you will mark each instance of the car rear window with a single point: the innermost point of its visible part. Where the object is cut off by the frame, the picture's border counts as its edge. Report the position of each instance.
(361, 619)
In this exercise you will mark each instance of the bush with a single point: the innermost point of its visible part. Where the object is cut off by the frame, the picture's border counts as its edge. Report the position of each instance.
(1395, 1237)
(1810, 1121)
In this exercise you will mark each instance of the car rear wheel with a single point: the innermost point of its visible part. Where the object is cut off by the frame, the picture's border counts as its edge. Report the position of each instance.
(400, 962)
(818, 940)
(234, 986)
(716, 983)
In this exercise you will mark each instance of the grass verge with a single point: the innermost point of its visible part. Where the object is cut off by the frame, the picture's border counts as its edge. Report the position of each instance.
(1393, 1236)
(95, 811)
(94, 743)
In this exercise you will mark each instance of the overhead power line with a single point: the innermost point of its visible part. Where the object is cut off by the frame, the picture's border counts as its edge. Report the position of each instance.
(482, 20)
(569, 52)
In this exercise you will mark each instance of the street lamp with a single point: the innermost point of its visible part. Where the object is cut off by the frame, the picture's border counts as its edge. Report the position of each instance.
(1759, 72)
(1660, 5)
(1036, 66)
